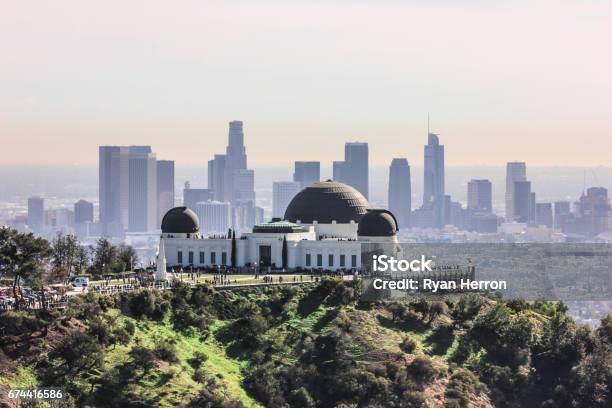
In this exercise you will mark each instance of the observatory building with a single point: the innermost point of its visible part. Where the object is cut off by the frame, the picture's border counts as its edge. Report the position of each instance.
(324, 227)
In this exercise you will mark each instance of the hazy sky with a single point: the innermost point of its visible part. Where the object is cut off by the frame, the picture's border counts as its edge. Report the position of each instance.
(511, 80)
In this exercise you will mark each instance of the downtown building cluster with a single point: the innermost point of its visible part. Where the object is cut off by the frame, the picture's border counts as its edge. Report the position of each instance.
(136, 190)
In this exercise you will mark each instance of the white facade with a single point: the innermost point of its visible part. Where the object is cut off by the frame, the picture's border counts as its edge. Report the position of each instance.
(304, 250)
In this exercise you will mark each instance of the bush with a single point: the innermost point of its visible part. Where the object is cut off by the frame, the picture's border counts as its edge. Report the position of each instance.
(184, 317)
(145, 303)
(166, 350)
(16, 323)
(422, 370)
(199, 375)
(462, 388)
(408, 345)
(143, 358)
(198, 359)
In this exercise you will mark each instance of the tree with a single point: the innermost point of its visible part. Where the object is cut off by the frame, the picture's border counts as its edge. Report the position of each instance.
(285, 254)
(104, 256)
(127, 256)
(23, 257)
(82, 260)
(65, 255)
(78, 355)
(233, 254)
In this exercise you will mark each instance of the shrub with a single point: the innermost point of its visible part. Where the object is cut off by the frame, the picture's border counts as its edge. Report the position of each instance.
(166, 350)
(15, 323)
(144, 303)
(422, 370)
(198, 359)
(462, 387)
(408, 345)
(142, 358)
(199, 375)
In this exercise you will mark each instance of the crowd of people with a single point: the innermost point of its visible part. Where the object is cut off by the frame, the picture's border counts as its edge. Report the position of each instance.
(55, 297)
(31, 298)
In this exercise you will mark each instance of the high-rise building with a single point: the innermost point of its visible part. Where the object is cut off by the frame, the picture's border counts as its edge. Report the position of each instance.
(282, 194)
(433, 179)
(215, 217)
(36, 214)
(83, 212)
(532, 207)
(142, 196)
(562, 212)
(245, 215)
(457, 215)
(354, 169)
(544, 214)
(60, 219)
(244, 186)
(307, 172)
(192, 196)
(399, 194)
(216, 176)
(236, 176)
(127, 189)
(113, 186)
(592, 214)
(515, 171)
(165, 188)
(521, 194)
(480, 196)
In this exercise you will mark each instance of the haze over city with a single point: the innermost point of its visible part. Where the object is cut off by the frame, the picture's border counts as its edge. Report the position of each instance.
(502, 80)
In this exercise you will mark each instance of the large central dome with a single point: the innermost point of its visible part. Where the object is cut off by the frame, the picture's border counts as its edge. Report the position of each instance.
(325, 202)
(180, 220)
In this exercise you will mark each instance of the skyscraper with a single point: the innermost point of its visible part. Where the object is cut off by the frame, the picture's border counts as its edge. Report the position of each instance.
(515, 171)
(36, 214)
(192, 196)
(399, 195)
(433, 179)
(244, 186)
(532, 207)
(214, 216)
(521, 194)
(592, 214)
(354, 169)
(216, 176)
(562, 213)
(83, 212)
(142, 190)
(165, 188)
(307, 172)
(113, 185)
(544, 214)
(480, 196)
(235, 172)
(282, 194)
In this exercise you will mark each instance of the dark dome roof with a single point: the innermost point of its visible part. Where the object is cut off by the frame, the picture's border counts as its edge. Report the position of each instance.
(377, 223)
(327, 201)
(180, 220)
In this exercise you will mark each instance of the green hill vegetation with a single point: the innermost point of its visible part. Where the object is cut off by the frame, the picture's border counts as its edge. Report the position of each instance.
(307, 346)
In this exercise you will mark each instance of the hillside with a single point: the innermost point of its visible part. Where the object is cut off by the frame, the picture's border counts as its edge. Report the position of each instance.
(308, 346)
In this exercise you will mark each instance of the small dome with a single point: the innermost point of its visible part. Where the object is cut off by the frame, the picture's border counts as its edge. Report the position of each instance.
(327, 201)
(180, 220)
(377, 223)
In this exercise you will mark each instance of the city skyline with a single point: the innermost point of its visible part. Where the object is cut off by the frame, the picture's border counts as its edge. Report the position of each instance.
(302, 81)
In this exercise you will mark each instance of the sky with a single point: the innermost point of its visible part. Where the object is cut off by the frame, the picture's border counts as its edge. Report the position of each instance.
(501, 80)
